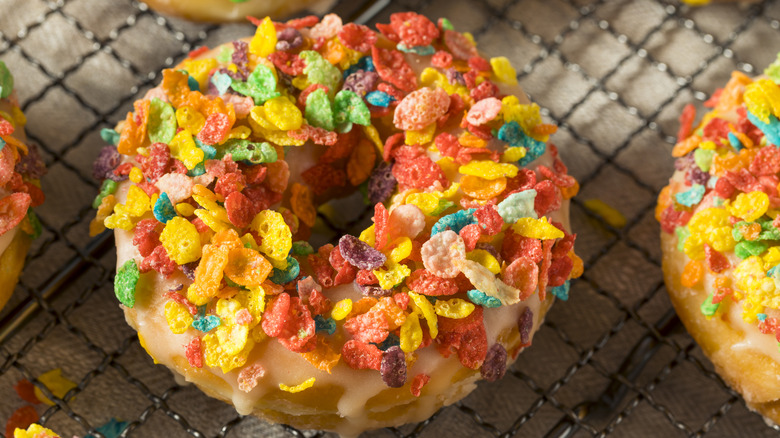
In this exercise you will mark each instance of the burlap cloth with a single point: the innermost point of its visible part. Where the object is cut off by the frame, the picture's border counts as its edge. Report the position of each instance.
(614, 75)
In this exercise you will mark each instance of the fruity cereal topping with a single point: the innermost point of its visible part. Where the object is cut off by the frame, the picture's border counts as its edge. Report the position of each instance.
(217, 175)
(723, 203)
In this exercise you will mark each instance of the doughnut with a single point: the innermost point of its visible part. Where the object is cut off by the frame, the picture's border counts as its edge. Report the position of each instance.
(719, 220)
(20, 169)
(234, 10)
(213, 199)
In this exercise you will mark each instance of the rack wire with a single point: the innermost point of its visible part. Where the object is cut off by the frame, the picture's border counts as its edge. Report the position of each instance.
(613, 75)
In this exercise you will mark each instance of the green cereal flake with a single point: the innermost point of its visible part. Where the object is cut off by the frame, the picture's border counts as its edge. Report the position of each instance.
(703, 158)
(773, 71)
(255, 153)
(35, 224)
(162, 121)
(682, 235)
(125, 282)
(6, 81)
(225, 55)
(109, 136)
(708, 308)
(302, 248)
(747, 248)
(446, 24)
(318, 111)
(319, 71)
(350, 108)
(260, 86)
(443, 205)
(107, 188)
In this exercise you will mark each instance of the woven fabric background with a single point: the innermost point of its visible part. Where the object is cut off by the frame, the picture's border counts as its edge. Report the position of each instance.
(614, 75)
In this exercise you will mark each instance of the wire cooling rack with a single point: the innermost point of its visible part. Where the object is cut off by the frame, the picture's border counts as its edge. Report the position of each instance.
(614, 75)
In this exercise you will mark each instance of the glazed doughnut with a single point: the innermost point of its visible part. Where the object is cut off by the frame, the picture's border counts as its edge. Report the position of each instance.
(719, 220)
(20, 168)
(469, 240)
(234, 10)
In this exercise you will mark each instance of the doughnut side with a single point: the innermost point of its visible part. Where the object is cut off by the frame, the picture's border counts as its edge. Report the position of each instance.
(227, 10)
(11, 264)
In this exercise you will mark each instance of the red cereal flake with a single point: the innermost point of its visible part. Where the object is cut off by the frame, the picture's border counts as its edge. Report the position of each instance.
(36, 194)
(484, 90)
(159, 261)
(395, 93)
(307, 91)
(559, 271)
(319, 303)
(470, 77)
(716, 129)
(148, 188)
(743, 180)
(716, 261)
(489, 220)
(441, 59)
(564, 245)
(370, 327)
(290, 321)
(524, 180)
(418, 382)
(467, 155)
(239, 209)
(470, 235)
(522, 274)
(13, 209)
(392, 142)
(341, 149)
(181, 299)
(671, 219)
(300, 23)
(406, 153)
(145, 236)
(544, 268)
(289, 63)
(425, 282)
(345, 272)
(402, 300)
(447, 144)
(686, 122)
(230, 183)
(392, 67)
(249, 376)
(465, 336)
(200, 226)
(216, 129)
(157, 164)
(255, 174)
(479, 63)
(321, 267)
(366, 277)
(413, 29)
(418, 173)
(457, 105)
(746, 127)
(712, 102)
(361, 356)
(194, 353)
(6, 128)
(322, 177)
(516, 246)
(560, 180)
(357, 37)
(548, 197)
(381, 219)
(197, 52)
(26, 391)
(22, 418)
(766, 162)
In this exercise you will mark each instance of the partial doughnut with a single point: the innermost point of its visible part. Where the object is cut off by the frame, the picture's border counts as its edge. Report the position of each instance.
(469, 242)
(235, 10)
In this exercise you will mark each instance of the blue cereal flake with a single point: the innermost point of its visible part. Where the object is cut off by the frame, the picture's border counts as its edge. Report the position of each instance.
(774, 272)
(365, 63)
(110, 136)
(324, 325)
(771, 130)
(513, 134)
(734, 141)
(163, 209)
(480, 298)
(455, 221)
(222, 81)
(379, 98)
(392, 340)
(112, 429)
(518, 205)
(283, 276)
(417, 50)
(761, 316)
(562, 291)
(206, 323)
(692, 196)
(193, 84)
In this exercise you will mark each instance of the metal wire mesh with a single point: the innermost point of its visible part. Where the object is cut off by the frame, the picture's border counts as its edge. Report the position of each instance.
(613, 75)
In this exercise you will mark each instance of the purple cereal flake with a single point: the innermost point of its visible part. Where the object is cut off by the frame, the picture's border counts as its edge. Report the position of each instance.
(240, 55)
(525, 324)
(361, 82)
(494, 366)
(106, 162)
(31, 165)
(374, 291)
(381, 184)
(360, 254)
(454, 76)
(393, 368)
(189, 270)
(177, 288)
(288, 38)
(698, 176)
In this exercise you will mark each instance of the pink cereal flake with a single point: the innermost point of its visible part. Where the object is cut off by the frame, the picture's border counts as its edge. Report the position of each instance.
(418, 382)
(441, 253)
(177, 186)
(406, 220)
(484, 111)
(420, 108)
(522, 274)
(249, 376)
(194, 353)
(327, 28)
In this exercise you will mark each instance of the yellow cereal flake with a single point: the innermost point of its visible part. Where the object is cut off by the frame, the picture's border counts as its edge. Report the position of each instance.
(536, 228)
(489, 170)
(607, 212)
(455, 308)
(421, 305)
(190, 119)
(181, 240)
(485, 259)
(277, 239)
(283, 114)
(178, 317)
(264, 41)
(503, 70)
(392, 275)
(298, 388)
(750, 206)
(341, 309)
(402, 248)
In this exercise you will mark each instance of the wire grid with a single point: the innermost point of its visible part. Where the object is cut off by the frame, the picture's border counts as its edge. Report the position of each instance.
(613, 75)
